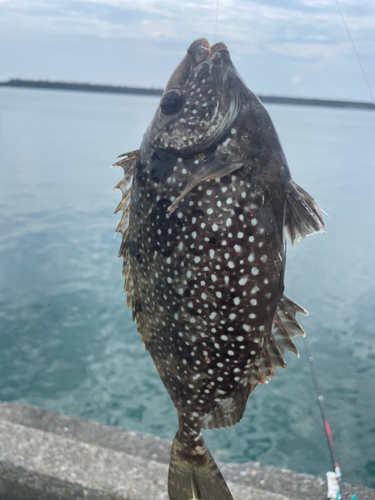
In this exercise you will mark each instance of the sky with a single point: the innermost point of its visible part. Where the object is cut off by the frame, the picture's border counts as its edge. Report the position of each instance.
(280, 47)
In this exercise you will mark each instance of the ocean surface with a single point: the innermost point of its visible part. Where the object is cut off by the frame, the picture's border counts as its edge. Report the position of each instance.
(67, 341)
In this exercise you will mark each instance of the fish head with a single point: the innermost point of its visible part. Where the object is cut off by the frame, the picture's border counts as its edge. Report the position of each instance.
(200, 102)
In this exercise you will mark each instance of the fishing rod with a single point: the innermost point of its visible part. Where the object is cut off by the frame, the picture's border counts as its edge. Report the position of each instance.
(327, 427)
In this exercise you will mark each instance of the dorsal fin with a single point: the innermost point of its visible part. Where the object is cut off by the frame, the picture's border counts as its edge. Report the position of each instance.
(128, 163)
(301, 213)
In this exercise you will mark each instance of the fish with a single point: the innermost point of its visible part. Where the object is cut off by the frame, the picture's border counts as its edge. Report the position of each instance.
(207, 204)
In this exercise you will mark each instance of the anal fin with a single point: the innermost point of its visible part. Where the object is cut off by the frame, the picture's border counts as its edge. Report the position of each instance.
(301, 214)
(230, 411)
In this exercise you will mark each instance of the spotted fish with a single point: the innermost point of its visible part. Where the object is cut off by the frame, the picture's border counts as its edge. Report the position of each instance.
(207, 202)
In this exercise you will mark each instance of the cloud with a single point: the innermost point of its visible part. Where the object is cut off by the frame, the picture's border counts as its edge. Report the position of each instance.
(312, 51)
(266, 32)
(296, 79)
(240, 21)
(155, 29)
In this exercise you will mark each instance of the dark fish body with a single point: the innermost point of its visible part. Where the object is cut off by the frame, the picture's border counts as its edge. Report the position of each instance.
(207, 202)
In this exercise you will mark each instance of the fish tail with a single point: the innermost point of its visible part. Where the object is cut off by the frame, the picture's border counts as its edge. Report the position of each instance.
(193, 473)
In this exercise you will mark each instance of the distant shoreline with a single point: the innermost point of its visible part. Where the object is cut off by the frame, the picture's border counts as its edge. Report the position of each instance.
(87, 87)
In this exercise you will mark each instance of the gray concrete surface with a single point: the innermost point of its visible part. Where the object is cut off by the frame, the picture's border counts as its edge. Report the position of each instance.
(46, 456)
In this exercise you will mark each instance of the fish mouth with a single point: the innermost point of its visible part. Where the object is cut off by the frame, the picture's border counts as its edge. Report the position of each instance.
(200, 50)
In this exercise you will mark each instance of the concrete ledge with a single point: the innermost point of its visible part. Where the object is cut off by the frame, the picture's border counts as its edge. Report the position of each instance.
(46, 455)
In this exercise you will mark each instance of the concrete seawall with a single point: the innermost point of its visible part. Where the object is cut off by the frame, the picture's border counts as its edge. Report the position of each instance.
(49, 456)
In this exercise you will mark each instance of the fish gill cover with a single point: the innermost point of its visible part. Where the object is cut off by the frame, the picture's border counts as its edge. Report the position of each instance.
(207, 202)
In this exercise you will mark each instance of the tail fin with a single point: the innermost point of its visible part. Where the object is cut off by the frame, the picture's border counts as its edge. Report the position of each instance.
(195, 475)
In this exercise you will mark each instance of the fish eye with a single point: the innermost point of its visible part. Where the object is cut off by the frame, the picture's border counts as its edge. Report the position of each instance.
(171, 102)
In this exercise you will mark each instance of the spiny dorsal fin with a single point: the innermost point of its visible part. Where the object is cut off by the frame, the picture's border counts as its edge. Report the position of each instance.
(128, 163)
(301, 213)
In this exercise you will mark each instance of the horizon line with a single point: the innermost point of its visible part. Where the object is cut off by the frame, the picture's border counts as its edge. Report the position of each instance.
(119, 89)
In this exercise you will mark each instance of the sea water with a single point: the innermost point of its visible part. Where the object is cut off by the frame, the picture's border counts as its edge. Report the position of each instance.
(67, 341)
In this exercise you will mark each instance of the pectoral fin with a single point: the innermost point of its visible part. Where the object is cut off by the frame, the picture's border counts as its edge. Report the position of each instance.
(210, 170)
(301, 214)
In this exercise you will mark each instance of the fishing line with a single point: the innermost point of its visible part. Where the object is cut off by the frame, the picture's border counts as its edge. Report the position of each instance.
(355, 51)
(217, 12)
(327, 427)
